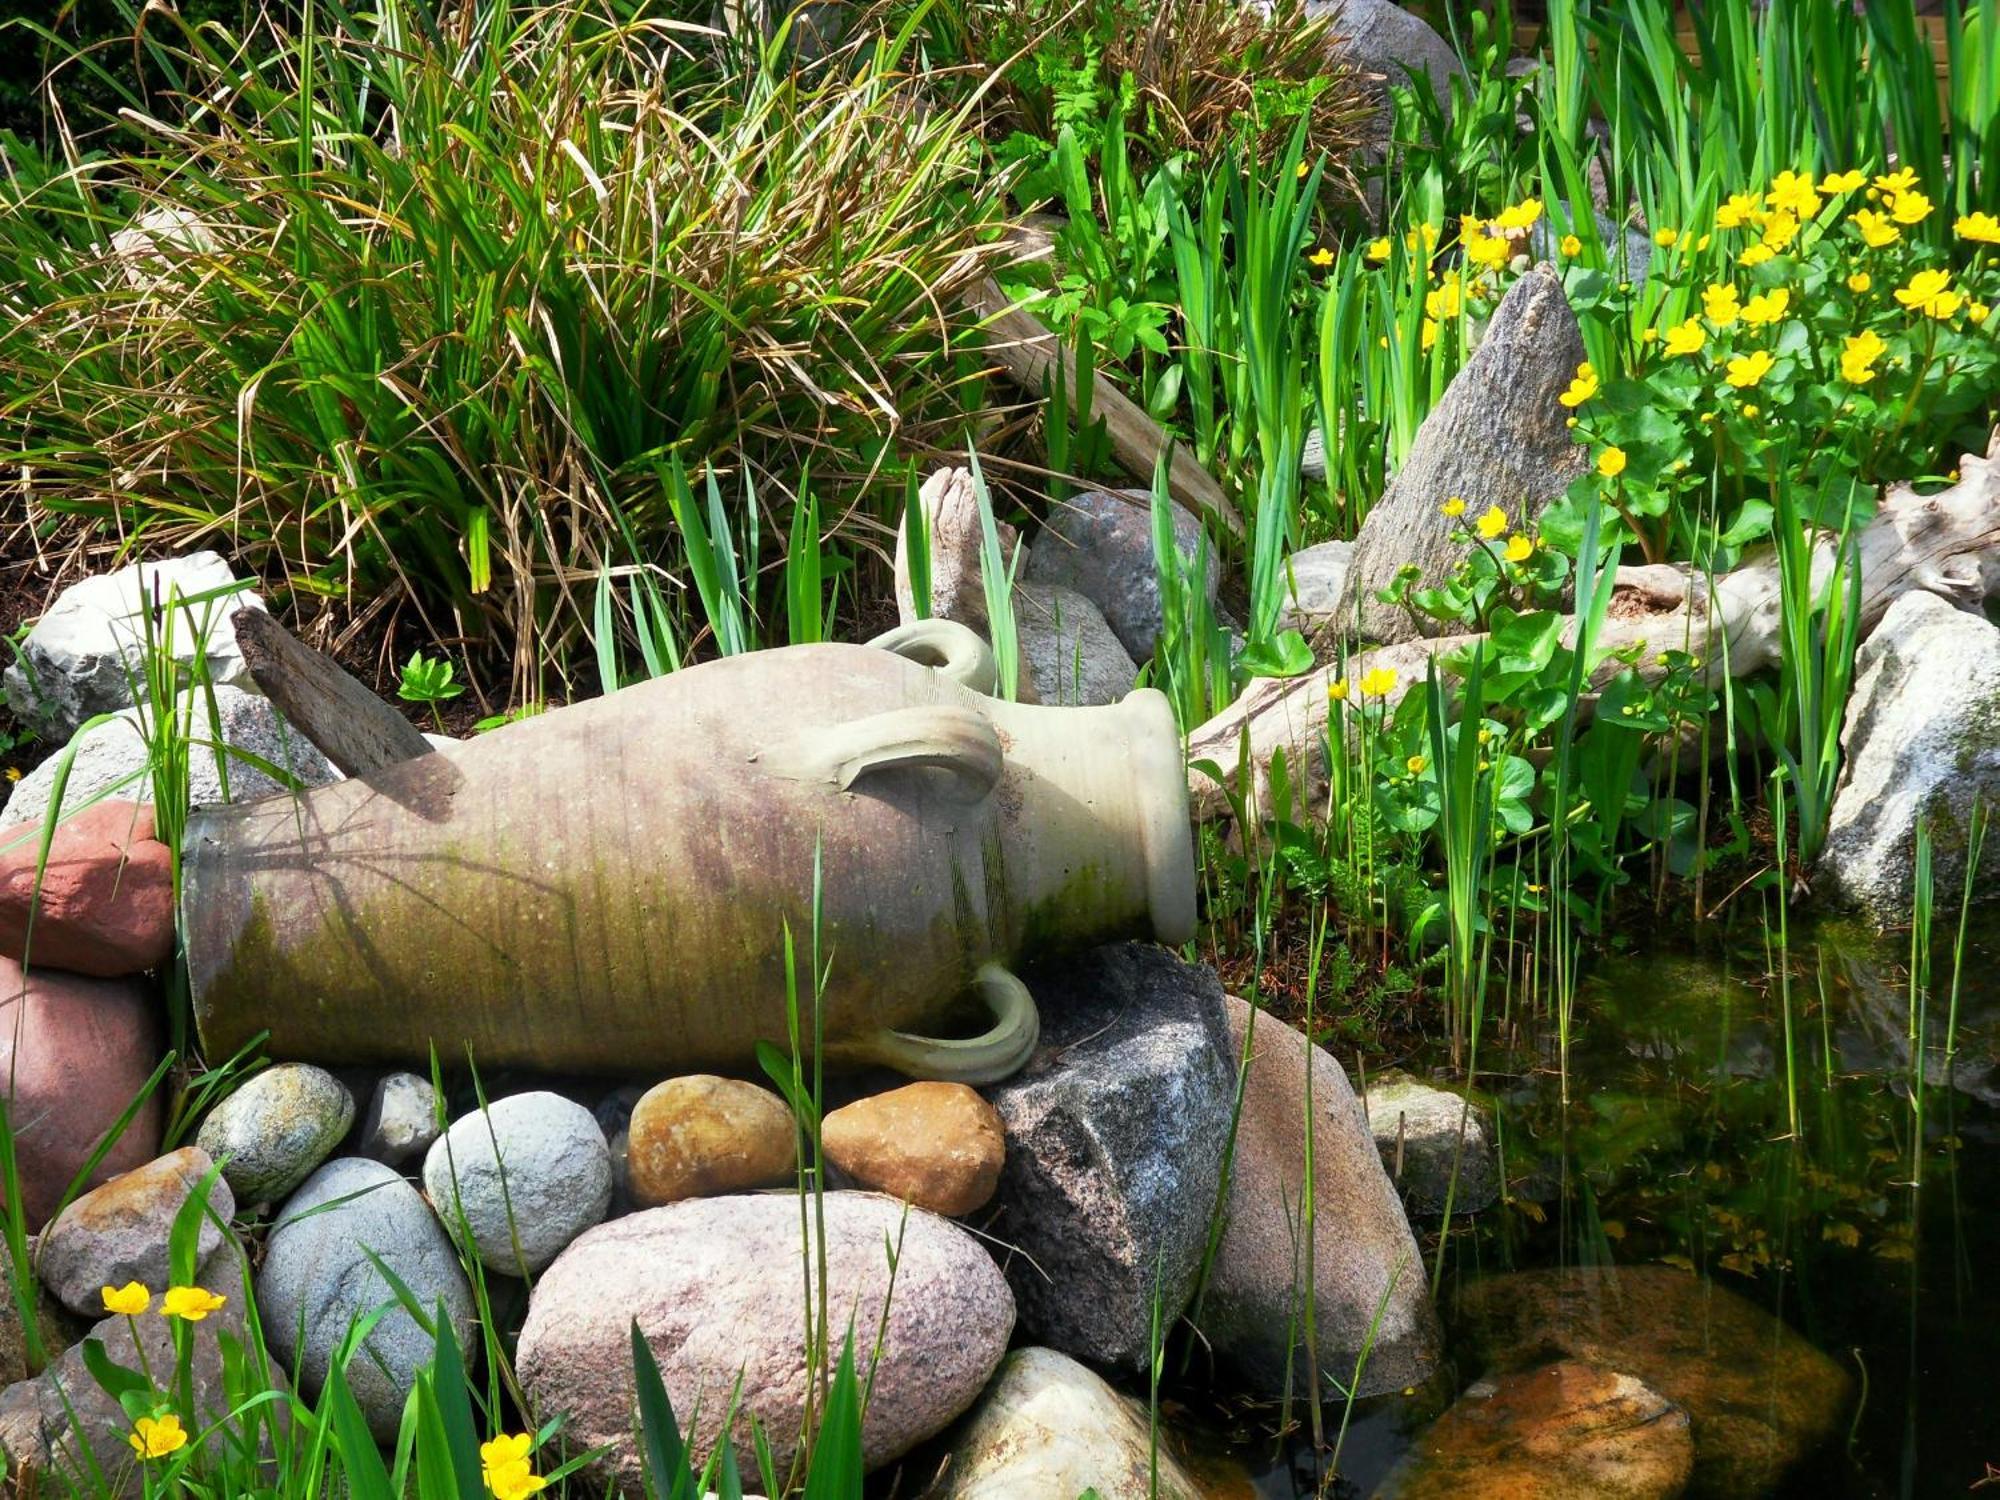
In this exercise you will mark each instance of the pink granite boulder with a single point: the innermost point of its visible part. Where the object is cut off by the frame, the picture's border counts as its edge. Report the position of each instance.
(105, 900)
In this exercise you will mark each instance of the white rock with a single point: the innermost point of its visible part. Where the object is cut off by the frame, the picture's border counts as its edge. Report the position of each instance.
(113, 755)
(401, 1121)
(1049, 1429)
(531, 1170)
(82, 656)
(1921, 741)
(1314, 578)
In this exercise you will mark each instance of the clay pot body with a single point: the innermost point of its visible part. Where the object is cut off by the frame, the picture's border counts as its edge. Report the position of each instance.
(606, 887)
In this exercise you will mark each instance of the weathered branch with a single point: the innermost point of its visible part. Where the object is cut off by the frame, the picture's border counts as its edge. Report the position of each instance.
(1947, 544)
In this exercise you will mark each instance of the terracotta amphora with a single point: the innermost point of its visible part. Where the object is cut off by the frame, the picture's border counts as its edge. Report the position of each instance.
(608, 887)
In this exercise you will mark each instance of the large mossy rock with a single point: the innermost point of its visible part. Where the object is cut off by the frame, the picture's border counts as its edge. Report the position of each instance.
(1759, 1397)
(1498, 436)
(1921, 742)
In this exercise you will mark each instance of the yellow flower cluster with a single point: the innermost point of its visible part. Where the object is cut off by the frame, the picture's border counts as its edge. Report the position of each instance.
(1582, 387)
(507, 1468)
(189, 1303)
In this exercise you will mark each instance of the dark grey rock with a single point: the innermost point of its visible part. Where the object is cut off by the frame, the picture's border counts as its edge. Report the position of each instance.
(317, 1279)
(1115, 1134)
(1101, 544)
(1071, 654)
(1498, 436)
(272, 1132)
(528, 1174)
(1382, 38)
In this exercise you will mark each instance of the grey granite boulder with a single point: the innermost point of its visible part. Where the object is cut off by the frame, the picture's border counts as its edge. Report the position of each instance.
(1070, 652)
(272, 1132)
(84, 653)
(1921, 742)
(1498, 436)
(112, 757)
(318, 1278)
(118, 1232)
(1435, 1145)
(715, 1285)
(1100, 543)
(1115, 1132)
(1365, 1265)
(1388, 42)
(528, 1174)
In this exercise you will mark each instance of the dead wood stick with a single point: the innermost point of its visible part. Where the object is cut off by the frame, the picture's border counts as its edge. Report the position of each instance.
(352, 727)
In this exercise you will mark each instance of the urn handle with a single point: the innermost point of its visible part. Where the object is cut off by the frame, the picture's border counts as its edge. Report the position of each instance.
(994, 1054)
(960, 741)
(948, 648)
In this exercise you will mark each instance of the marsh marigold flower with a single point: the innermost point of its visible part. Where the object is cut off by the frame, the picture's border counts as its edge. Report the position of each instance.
(1322, 257)
(1740, 209)
(1486, 252)
(1858, 356)
(1843, 182)
(1378, 250)
(156, 1437)
(1415, 765)
(1792, 193)
(1876, 231)
(128, 1300)
(1686, 338)
(1929, 293)
(192, 1303)
(1665, 238)
(1890, 184)
(1720, 304)
(1766, 307)
(1570, 245)
(506, 1467)
(1756, 255)
(1860, 281)
(1582, 387)
(1910, 208)
(1519, 548)
(1611, 462)
(1492, 523)
(1747, 369)
(1378, 682)
(1779, 233)
(1521, 216)
(1455, 506)
(1337, 690)
(1982, 228)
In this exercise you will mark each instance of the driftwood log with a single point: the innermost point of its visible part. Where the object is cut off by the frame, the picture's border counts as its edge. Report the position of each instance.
(352, 727)
(1028, 351)
(1946, 544)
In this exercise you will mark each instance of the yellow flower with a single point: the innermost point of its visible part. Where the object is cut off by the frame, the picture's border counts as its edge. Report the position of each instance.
(1378, 682)
(1929, 293)
(1741, 209)
(1977, 311)
(1666, 237)
(1519, 548)
(507, 1469)
(1858, 355)
(1860, 281)
(1749, 409)
(1378, 250)
(1792, 193)
(1492, 523)
(1747, 369)
(1766, 307)
(1981, 227)
(1487, 252)
(1570, 245)
(130, 1299)
(1304, 167)
(1756, 255)
(1719, 303)
(156, 1437)
(1842, 182)
(1582, 388)
(1444, 301)
(1686, 338)
(1429, 335)
(1322, 257)
(1910, 208)
(1415, 765)
(1611, 462)
(1336, 692)
(1455, 506)
(506, 1449)
(1876, 231)
(1781, 231)
(1521, 216)
(1891, 184)
(190, 1302)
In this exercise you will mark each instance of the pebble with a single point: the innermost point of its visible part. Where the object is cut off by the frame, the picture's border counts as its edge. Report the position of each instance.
(936, 1145)
(401, 1120)
(700, 1135)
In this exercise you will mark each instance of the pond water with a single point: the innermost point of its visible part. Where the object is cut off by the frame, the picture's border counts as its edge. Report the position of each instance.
(1814, 1190)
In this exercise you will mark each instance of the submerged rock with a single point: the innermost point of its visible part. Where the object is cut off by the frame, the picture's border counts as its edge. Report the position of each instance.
(318, 1278)
(272, 1132)
(1498, 436)
(1921, 741)
(935, 1145)
(1049, 1429)
(118, 1232)
(701, 1135)
(113, 757)
(715, 1285)
(74, 1053)
(1759, 1397)
(89, 647)
(1562, 1432)
(1366, 1271)
(523, 1178)
(1115, 1133)
(1434, 1147)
